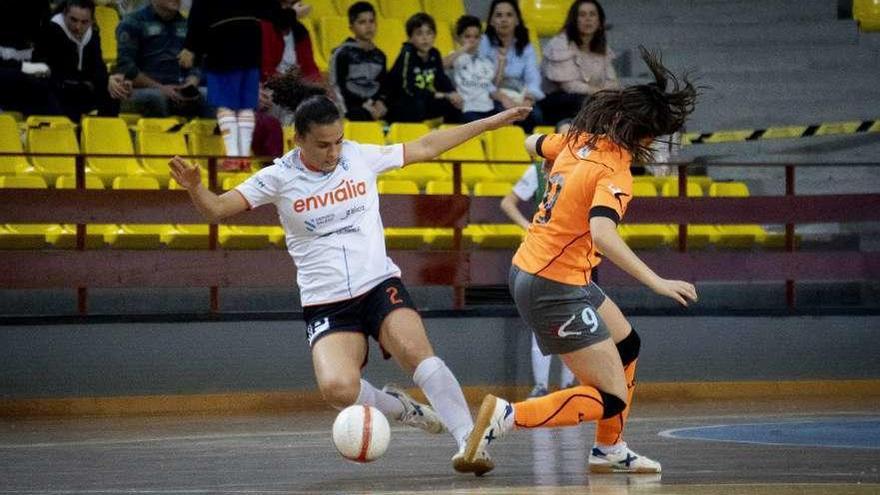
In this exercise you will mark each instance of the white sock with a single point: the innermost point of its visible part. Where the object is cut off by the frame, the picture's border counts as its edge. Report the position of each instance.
(369, 395)
(566, 377)
(444, 393)
(540, 365)
(229, 129)
(246, 124)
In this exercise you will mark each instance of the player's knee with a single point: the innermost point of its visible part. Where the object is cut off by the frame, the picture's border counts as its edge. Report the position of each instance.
(340, 391)
(629, 347)
(612, 405)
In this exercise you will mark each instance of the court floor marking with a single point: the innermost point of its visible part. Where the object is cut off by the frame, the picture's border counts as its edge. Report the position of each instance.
(276, 434)
(672, 433)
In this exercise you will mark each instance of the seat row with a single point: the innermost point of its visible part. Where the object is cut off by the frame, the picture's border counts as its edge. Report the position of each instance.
(486, 236)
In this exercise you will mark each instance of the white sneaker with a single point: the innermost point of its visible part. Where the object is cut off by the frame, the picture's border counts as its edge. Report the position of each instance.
(481, 465)
(492, 423)
(415, 414)
(621, 460)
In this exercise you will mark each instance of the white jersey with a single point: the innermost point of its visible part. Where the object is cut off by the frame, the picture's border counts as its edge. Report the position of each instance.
(331, 220)
(525, 187)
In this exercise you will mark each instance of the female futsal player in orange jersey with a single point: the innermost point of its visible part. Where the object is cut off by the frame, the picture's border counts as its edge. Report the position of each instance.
(587, 193)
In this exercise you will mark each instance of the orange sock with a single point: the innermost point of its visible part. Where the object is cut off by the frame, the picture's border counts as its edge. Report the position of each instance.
(610, 431)
(563, 408)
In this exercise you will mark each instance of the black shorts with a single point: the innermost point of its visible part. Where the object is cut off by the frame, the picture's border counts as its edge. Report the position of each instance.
(363, 314)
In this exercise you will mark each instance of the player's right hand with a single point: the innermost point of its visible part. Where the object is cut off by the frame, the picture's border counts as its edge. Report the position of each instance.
(678, 290)
(185, 173)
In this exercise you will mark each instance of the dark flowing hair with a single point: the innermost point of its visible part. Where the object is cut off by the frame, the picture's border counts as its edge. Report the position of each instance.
(520, 33)
(308, 102)
(598, 44)
(628, 116)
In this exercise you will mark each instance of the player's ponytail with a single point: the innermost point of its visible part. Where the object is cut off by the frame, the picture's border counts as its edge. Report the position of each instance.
(632, 116)
(308, 102)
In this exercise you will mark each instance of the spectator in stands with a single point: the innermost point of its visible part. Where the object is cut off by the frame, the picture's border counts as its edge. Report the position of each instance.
(473, 74)
(531, 187)
(357, 67)
(506, 42)
(227, 34)
(149, 40)
(418, 87)
(24, 84)
(577, 62)
(286, 44)
(70, 45)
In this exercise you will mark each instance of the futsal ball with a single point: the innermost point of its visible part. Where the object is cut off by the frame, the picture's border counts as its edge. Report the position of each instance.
(361, 433)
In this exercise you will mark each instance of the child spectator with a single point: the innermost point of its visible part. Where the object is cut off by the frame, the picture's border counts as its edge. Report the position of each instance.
(417, 84)
(472, 72)
(357, 67)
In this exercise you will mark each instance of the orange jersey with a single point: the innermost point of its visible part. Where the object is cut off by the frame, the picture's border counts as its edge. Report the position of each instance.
(584, 182)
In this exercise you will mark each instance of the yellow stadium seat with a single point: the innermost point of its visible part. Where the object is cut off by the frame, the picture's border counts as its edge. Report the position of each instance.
(207, 144)
(51, 139)
(698, 235)
(195, 236)
(421, 173)
(365, 132)
(445, 41)
(131, 119)
(398, 187)
(186, 236)
(867, 13)
(471, 149)
(535, 40)
(10, 142)
(324, 8)
(400, 9)
(402, 237)
(20, 235)
(64, 236)
(444, 188)
(332, 31)
(49, 121)
(107, 18)
(157, 124)
(134, 236)
(289, 134)
(494, 236)
(317, 51)
(646, 236)
(507, 143)
(445, 10)
(703, 181)
(499, 189)
(160, 143)
(110, 136)
(390, 35)
(233, 180)
(741, 236)
(545, 16)
(544, 129)
(16, 116)
(204, 127)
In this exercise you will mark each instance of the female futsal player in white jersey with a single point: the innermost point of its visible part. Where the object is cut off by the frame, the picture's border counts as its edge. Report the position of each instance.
(326, 196)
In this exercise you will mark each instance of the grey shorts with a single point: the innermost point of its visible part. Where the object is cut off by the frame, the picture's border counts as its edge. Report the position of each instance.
(563, 317)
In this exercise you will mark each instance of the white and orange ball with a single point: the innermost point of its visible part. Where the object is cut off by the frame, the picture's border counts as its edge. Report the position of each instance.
(361, 433)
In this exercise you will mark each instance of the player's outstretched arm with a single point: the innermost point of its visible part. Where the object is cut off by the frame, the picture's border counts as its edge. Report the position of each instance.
(610, 244)
(210, 205)
(431, 145)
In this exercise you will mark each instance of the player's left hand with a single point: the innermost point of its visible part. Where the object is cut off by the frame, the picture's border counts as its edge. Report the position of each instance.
(185, 173)
(509, 116)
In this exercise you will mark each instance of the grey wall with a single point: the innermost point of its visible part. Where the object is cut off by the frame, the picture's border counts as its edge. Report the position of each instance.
(162, 358)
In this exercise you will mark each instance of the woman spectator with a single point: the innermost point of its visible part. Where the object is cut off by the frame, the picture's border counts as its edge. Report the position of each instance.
(577, 62)
(506, 42)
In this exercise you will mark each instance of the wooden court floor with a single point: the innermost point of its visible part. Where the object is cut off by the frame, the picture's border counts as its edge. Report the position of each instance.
(292, 454)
